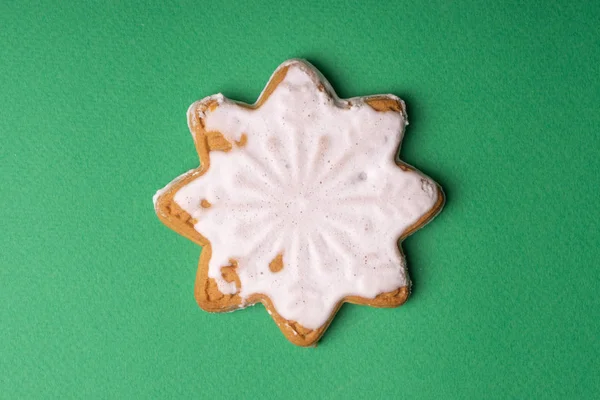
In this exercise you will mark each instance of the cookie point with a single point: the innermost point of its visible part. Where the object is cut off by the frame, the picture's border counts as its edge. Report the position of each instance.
(156, 196)
(295, 61)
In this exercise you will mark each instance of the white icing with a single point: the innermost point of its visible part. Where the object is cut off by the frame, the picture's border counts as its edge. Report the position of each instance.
(316, 182)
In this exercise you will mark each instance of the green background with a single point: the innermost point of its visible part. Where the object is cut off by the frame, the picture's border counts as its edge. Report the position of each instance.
(97, 295)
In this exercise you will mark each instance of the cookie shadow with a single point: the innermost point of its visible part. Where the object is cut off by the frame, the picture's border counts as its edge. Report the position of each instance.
(406, 152)
(329, 72)
(336, 327)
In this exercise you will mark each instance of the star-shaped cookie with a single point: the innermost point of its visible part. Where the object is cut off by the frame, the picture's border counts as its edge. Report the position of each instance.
(300, 202)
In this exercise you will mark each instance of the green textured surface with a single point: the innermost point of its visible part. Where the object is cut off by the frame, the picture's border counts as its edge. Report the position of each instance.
(96, 296)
